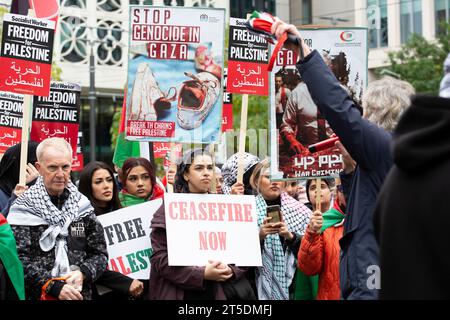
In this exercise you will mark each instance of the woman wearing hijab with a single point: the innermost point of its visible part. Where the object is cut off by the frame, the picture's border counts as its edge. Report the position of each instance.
(229, 174)
(279, 240)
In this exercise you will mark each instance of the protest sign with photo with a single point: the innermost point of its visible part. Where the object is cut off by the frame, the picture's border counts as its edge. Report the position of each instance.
(26, 55)
(202, 227)
(296, 123)
(175, 74)
(248, 55)
(127, 235)
(11, 112)
(57, 115)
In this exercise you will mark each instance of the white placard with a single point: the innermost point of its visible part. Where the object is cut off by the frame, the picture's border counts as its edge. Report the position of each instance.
(202, 227)
(127, 235)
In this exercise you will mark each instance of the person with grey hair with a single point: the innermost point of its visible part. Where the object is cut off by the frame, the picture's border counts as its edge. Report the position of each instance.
(59, 239)
(385, 100)
(368, 143)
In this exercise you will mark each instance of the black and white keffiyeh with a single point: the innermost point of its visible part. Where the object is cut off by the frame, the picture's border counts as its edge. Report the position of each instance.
(230, 168)
(275, 276)
(34, 207)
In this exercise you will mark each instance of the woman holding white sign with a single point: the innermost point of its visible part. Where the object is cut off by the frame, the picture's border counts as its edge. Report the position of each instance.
(282, 221)
(98, 185)
(194, 175)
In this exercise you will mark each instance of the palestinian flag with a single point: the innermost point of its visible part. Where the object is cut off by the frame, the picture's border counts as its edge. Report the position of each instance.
(9, 258)
(261, 24)
(128, 149)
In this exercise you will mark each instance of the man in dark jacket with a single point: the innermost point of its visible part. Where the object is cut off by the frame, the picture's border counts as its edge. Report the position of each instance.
(367, 139)
(56, 230)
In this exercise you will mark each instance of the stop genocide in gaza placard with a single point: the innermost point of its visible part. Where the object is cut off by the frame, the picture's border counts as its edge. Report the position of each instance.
(27, 50)
(175, 74)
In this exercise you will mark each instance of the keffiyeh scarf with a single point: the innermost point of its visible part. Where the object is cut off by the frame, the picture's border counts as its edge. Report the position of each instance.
(230, 169)
(275, 276)
(34, 207)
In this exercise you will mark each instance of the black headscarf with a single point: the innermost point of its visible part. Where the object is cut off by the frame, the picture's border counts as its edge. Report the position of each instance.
(10, 165)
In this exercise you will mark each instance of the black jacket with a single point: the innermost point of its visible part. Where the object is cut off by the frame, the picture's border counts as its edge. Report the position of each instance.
(412, 219)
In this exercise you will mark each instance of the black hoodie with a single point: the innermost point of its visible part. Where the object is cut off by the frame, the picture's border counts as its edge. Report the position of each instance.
(422, 137)
(412, 216)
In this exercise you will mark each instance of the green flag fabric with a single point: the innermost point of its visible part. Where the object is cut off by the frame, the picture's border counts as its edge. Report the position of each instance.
(9, 258)
(125, 148)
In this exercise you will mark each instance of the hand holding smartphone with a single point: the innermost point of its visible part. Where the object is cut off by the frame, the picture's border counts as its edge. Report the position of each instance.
(275, 213)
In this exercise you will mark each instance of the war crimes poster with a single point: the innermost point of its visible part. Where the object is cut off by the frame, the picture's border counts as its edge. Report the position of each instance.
(27, 50)
(11, 113)
(57, 115)
(296, 122)
(248, 55)
(175, 74)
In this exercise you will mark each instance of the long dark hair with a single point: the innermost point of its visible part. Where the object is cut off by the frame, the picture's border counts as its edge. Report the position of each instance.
(85, 187)
(181, 185)
(131, 163)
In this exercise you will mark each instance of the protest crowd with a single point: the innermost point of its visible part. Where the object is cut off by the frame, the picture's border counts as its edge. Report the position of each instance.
(369, 233)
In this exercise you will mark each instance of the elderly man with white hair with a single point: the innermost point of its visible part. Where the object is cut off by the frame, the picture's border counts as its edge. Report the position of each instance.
(56, 230)
(368, 139)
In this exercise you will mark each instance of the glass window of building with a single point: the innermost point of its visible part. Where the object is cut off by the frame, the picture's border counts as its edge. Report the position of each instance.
(105, 107)
(306, 12)
(410, 18)
(442, 8)
(240, 8)
(378, 31)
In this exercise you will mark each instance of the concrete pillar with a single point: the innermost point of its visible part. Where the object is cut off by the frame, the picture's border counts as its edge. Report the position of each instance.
(428, 20)
(360, 14)
(393, 7)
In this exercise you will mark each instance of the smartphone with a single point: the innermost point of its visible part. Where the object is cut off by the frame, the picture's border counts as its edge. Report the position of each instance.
(275, 213)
